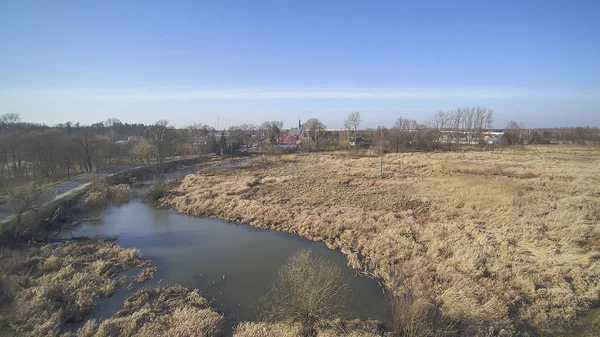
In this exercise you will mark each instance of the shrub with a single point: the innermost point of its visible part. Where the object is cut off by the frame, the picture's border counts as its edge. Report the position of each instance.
(157, 190)
(414, 317)
(308, 289)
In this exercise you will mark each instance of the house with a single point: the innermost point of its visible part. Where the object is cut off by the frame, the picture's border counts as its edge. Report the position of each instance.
(294, 136)
(491, 140)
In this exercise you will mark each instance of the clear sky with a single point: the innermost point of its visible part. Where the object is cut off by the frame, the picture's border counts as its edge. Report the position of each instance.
(537, 62)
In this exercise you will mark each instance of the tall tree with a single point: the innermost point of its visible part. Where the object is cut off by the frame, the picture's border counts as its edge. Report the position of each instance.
(315, 128)
(10, 119)
(248, 131)
(273, 130)
(162, 139)
(87, 144)
(352, 123)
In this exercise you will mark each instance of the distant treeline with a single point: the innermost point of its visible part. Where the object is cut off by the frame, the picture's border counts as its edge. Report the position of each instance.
(35, 152)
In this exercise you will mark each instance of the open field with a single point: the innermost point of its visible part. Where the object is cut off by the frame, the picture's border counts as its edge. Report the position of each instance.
(506, 241)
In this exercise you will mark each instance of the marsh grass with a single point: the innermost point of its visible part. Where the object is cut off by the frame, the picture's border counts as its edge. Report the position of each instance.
(282, 329)
(44, 287)
(102, 193)
(508, 240)
(164, 311)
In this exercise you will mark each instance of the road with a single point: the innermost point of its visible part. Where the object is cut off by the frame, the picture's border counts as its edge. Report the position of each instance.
(58, 191)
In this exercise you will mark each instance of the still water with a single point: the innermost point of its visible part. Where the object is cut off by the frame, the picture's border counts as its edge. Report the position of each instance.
(231, 265)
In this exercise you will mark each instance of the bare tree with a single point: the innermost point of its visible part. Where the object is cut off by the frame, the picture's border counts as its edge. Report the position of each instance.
(10, 119)
(315, 128)
(110, 122)
(262, 135)
(400, 134)
(142, 151)
(25, 198)
(309, 290)
(88, 145)
(192, 135)
(162, 140)
(248, 131)
(513, 133)
(13, 144)
(47, 149)
(273, 130)
(352, 123)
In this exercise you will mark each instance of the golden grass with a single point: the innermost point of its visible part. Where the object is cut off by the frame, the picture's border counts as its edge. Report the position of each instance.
(261, 329)
(508, 240)
(166, 311)
(44, 288)
(102, 193)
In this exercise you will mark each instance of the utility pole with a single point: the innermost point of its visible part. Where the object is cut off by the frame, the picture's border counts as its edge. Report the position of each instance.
(381, 149)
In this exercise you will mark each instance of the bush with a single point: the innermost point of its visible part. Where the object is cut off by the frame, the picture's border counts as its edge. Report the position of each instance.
(414, 317)
(309, 290)
(157, 190)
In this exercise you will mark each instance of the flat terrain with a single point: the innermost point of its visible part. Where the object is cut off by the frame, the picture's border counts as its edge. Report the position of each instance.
(507, 240)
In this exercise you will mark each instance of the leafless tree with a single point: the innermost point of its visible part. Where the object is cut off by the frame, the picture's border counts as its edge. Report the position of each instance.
(273, 130)
(401, 135)
(248, 131)
(142, 151)
(10, 119)
(315, 128)
(110, 122)
(162, 139)
(193, 132)
(513, 133)
(87, 144)
(308, 289)
(47, 149)
(25, 198)
(352, 123)
(13, 145)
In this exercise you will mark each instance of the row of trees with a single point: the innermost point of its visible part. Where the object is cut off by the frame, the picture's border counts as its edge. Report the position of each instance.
(32, 152)
(36, 152)
(517, 133)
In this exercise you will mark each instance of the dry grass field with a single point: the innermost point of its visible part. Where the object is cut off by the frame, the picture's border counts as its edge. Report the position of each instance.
(505, 240)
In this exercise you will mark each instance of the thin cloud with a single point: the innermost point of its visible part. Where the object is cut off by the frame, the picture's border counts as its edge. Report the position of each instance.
(141, 94)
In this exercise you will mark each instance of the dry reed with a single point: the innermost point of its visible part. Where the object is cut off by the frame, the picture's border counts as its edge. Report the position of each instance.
(44, 288)
(508, 240)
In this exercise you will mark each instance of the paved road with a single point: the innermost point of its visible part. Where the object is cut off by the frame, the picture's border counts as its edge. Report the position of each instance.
(60, 190)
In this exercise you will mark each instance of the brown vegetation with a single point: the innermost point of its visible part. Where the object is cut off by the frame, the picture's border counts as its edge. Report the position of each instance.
(308, 289)
(165, 311)
(506, 240)
(101, 193)
(261, 329)
(43, 288)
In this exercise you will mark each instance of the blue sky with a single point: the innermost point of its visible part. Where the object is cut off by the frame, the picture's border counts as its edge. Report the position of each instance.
(537, 62)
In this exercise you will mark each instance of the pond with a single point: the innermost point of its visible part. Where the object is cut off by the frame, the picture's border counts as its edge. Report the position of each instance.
(231, 265)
